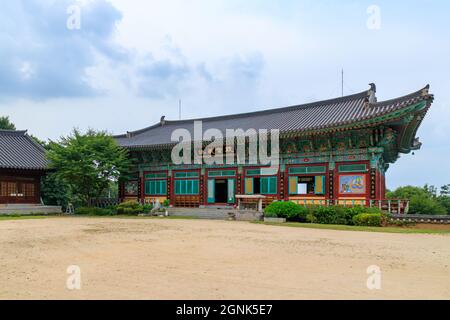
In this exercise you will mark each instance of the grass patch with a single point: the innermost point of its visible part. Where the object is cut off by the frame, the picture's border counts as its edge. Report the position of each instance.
(155, 217)
(122, 216)
(356, 228)
(17, 217)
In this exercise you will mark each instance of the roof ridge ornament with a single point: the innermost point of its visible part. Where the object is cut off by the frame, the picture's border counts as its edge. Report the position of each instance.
(163, 120)
(425, 91)
(372, 93)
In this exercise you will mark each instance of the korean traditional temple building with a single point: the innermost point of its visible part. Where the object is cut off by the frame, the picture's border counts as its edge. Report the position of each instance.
(330, 151)
(22, 164)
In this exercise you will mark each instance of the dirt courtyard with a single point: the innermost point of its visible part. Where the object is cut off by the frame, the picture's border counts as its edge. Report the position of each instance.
(199, 259)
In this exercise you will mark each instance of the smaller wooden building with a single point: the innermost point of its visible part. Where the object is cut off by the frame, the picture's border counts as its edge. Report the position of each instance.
(22, 164)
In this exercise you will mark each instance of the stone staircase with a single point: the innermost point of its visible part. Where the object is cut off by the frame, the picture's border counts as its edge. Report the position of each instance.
(216, 213)
(201, 213)
(28, 209)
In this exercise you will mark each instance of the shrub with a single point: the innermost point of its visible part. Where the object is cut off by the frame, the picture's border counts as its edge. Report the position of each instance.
(166, 203)
(324, 215)
(93, 211)
(330, 215)
(336, 214)
(368, 219)
(147, 208)
(130, 208)
(289, 210)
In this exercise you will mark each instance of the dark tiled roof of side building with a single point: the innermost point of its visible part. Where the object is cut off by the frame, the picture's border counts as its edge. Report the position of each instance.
(19, 151)
(321, 115)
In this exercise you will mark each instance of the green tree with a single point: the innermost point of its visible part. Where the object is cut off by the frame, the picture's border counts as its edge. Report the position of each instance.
(407, 192)
(54, 191)
(445, 190)
(422, 200)
(444, 201)
(88, 162)
(426, 205)
(444, 197)
(5, 124)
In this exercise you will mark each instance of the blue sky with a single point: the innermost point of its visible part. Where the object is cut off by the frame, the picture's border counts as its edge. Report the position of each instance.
(131, 61)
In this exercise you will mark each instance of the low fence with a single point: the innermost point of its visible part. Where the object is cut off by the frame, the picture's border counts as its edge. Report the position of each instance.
(106, 202)
(419, 218)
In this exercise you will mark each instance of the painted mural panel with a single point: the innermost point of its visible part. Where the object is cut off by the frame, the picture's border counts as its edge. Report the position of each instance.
(352, 184)
(131, 188)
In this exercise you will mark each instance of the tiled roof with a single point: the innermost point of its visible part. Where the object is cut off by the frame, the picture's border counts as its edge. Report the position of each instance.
(19, 151)
(322, 115)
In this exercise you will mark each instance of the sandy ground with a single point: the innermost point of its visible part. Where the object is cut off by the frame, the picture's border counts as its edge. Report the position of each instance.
(194, 259)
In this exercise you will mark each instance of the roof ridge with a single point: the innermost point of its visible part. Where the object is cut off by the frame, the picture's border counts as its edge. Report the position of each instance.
(35, 143)
(359, 95)
(362, 94)
(13, 132)
(422, 92)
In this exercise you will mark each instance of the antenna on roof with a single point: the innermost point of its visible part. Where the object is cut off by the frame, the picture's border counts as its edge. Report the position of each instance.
(342, 82)
(179, 109)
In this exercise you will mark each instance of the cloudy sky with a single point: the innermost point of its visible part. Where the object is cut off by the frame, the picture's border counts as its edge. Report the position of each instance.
(130, 61)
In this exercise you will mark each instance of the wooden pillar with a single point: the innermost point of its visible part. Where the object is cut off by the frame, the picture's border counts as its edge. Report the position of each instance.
(169, 188)
(331, 177)
(141, 189)
(203, 190)
(373, 184)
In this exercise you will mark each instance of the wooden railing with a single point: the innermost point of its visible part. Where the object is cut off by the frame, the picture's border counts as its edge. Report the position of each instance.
(393, 206)
(103, 203)
(107, 202)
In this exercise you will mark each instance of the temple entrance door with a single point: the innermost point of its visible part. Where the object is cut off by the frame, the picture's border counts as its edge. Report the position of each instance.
(221, 191)
(211, 191)
(231, 191)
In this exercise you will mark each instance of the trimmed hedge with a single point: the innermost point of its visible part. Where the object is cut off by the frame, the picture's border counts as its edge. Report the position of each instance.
(337, 214)
(130, 208)
(126, 208)
(289, 210)
(324, 214)
(368, 219)
(92, 211)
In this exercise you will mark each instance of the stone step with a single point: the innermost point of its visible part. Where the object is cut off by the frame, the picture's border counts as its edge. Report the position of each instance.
(216, 213)
(27, 210)
(22, 205)
(203, 213)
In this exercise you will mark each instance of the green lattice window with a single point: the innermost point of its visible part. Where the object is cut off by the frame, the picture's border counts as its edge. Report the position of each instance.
(307, 170)
(269, 185)
(184, 175)
(161, 175)
(253, 172)
(353, 168)
(186, 187)
(156, 187)
(222, 173)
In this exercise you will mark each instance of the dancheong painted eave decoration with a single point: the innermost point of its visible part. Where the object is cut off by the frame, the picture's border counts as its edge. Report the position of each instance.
(336, 149)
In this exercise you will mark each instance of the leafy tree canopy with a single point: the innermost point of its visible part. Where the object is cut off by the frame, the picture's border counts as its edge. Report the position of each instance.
(424, 200)
(407, 192)
(6, 124)
(88, 162)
